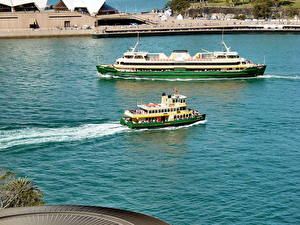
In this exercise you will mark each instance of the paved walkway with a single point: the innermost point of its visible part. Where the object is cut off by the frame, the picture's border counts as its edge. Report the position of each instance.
(29, 33)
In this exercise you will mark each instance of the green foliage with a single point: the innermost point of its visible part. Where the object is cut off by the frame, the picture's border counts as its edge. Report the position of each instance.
(18, 192)
(291, 12)
(179, 6)
(4, 175)
(262, 8)
(240, 17)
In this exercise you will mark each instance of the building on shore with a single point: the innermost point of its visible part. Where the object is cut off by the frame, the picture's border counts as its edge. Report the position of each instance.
(92, 7)
(22, 5)
(66, 14)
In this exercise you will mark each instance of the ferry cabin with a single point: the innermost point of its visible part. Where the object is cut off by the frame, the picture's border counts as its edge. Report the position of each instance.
(181, 59)
(172, 108)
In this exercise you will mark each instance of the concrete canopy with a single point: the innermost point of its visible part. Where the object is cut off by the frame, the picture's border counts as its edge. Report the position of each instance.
(93, 6)
(40, 4)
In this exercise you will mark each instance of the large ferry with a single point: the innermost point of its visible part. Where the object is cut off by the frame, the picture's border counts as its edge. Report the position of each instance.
(172, 111)
(181, 65)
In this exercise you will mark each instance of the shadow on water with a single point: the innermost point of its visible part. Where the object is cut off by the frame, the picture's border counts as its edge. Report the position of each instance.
(224, 90)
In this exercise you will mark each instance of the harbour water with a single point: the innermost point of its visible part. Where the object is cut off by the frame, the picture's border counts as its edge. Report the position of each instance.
(59, 126)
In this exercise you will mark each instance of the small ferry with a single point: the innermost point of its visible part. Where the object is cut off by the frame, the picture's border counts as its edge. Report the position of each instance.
(181, 65)
(172, 111)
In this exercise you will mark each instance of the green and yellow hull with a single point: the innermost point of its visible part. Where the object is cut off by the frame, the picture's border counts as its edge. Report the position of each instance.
(181, 73)
(163, 123)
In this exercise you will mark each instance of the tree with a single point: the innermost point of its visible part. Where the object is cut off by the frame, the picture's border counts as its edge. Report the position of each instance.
(18, 192)
(262, 9)
(179, 6)
(291, 12)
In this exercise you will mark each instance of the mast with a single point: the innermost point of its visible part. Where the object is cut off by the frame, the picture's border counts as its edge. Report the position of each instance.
(225, 46)
(135, 48)
(223, 42)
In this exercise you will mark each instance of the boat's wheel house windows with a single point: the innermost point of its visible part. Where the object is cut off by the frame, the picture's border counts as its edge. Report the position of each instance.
(128, 56)
(139, 57)
(179, 100)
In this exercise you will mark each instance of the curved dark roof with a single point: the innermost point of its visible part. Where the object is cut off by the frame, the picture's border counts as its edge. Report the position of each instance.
(74, 215)
(180, 51)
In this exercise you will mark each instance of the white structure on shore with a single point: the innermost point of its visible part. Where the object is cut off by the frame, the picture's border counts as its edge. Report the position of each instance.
(39, 4)
(92, 6)
(89, 6)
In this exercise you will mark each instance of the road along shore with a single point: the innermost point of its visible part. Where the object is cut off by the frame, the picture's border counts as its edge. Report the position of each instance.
(128, 31)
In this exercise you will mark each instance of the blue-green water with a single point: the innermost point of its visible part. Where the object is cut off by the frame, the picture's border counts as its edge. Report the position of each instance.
(59, 126)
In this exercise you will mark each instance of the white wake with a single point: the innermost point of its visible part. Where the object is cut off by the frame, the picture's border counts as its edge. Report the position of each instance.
(279, 77)
(30, 136)
(200, 79)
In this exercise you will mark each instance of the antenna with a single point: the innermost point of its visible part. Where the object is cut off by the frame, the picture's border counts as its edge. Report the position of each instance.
(135, 48)
(222, 35)
(223, 42)
(264, 60)
(205, 50)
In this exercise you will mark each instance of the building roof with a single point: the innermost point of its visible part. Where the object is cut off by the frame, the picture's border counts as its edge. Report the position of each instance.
(74, 215)
(41, 4)
(93, 6)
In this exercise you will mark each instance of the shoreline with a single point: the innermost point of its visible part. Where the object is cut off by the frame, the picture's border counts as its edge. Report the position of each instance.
(29, 33)
(111, 32)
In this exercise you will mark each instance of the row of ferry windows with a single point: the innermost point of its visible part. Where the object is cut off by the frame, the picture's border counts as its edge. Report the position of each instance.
(178, 100)
(179, 64)
(182, 116)
(167, 110)
(194, 70)
(219, 56)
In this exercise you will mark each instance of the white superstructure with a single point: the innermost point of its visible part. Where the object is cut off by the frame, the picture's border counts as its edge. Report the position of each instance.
(92, 6)
(40, 4)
